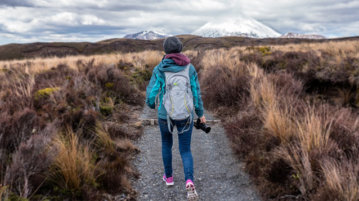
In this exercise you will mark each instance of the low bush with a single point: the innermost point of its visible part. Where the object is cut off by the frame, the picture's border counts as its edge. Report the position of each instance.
(30, 163)
(294, 147)
(64, 132)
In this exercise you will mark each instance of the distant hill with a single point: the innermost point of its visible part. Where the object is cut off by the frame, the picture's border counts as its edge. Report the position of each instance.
(240, 26)
(305, 36)
(146, 35)
(191, 42)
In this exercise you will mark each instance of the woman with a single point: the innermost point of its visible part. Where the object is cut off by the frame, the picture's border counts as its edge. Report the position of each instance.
(175, 62)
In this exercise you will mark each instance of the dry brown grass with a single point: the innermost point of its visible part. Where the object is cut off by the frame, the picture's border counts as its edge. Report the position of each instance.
(263, 93)
(336, 62)
(299, 159)
(335, 48)
(277, 118)
(74, 164)
(221, 57)
(80, 95)
(36, 65)
(279, 122)
(285, 135)
(342, 179)
(292, 142)
(314, 129)
(104, 140)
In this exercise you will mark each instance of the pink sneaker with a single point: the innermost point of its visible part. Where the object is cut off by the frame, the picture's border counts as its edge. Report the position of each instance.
(169, 180)
(191, 191)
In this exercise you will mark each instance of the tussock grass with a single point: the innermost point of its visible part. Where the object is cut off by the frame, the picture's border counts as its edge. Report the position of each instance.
(263, 93)
(341, 179)
(279, 122)
(298, 158)
(90, 103)
(74, 164)
(293, 143)
(314, 129)
(221, 57)
(339, 48)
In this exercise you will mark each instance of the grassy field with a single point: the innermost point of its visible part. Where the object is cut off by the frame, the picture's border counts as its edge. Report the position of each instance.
(67, 125)
(191, 42)
(291, 113)
(289, 110)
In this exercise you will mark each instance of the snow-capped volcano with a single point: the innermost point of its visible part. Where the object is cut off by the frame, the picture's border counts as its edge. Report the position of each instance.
(243, 26)
(146, 35)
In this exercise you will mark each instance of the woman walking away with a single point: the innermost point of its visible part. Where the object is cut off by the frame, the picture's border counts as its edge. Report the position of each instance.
(174, 83)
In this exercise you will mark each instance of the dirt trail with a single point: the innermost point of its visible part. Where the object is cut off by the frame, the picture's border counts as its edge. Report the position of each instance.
(218, 175)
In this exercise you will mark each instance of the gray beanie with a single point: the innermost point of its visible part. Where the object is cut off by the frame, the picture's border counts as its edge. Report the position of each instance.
(172, 45)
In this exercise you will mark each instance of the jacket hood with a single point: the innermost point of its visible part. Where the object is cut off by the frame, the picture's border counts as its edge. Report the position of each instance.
(180, 59)
(173, 63)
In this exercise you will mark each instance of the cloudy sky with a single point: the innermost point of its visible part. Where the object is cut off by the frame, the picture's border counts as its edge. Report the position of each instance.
(93, 20)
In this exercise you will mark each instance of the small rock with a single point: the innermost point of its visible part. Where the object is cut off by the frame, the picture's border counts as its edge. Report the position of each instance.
(138, 124)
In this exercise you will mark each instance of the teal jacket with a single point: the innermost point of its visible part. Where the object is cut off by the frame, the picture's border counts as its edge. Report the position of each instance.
(157, 85)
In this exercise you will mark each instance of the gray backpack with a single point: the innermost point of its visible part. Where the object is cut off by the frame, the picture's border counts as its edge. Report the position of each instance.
(178, 99)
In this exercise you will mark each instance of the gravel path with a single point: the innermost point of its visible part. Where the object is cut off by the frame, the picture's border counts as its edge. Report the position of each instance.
(218, 175)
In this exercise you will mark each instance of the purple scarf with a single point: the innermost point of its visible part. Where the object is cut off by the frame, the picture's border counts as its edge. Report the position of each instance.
(178, 58)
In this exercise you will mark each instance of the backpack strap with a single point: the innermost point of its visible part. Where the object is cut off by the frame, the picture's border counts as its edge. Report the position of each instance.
(184, 129)
(188, 125)
(169, 124)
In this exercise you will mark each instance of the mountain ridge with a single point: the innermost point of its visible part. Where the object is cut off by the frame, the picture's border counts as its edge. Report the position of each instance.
(190, 42)
(146, 35)
(303, 36)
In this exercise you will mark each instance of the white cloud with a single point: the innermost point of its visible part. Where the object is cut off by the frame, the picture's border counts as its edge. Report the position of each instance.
(92, 20)
(65, 18)
(312, 28)
(73, 19)
(304, 15)
(69, 3)
(38, 20)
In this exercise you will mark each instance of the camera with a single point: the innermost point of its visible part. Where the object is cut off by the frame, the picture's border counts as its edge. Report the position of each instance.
(202, 126)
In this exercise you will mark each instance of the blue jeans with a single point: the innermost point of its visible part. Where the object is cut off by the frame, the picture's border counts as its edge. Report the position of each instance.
(184, 141)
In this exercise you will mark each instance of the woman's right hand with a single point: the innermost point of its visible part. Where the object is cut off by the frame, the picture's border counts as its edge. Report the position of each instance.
(203, 119)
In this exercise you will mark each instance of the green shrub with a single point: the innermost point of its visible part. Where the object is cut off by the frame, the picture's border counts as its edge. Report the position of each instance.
(141, 77)
(43, 93)
(107, 106)
(106, 109)
(4, 70)
(15, 197)
(265, 50)
(109, 85)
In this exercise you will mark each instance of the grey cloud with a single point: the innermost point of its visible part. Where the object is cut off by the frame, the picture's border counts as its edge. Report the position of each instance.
(14, 3)
(98, 19)
(91, 30)
(298, 16)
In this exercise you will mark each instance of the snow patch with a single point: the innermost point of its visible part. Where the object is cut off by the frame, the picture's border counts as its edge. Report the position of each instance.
(243, 26)
(146, 35)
